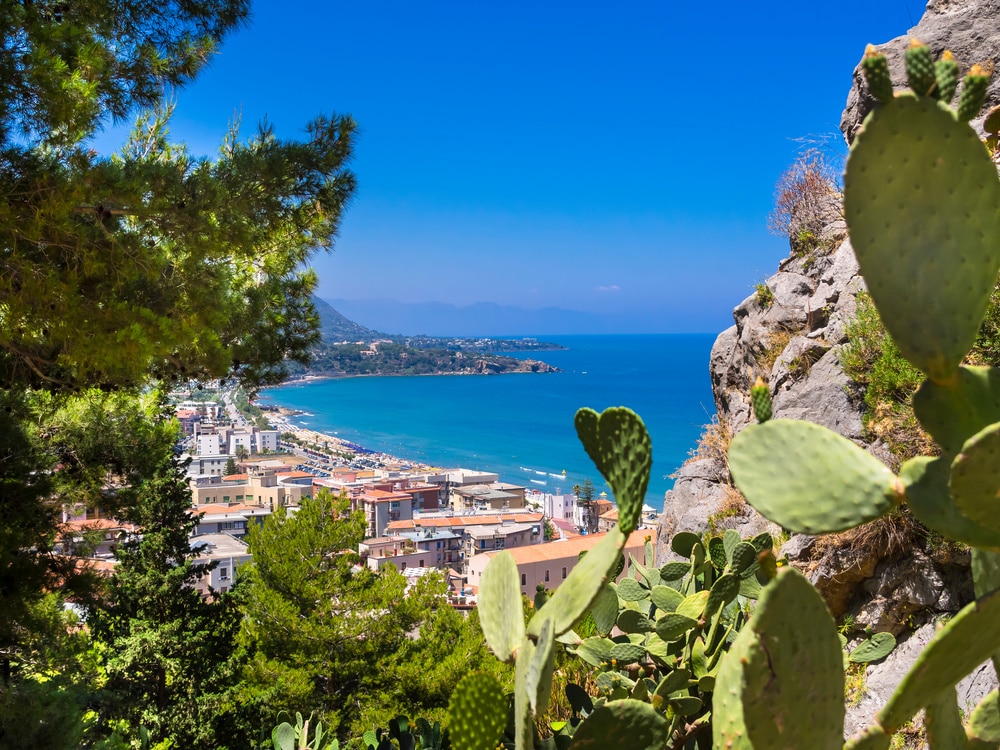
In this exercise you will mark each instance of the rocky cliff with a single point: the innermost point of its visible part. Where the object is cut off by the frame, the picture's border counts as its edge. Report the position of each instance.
(792, 334)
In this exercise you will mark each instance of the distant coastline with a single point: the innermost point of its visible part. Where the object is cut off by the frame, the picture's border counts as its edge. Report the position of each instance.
(522, 428)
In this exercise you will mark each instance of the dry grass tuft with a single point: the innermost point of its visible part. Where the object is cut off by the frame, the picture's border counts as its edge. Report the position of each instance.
(890, 536)
(776, 343)
(713, 442)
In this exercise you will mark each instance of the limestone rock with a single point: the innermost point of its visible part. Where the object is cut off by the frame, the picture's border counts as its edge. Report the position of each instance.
(968, 28)
(882, 679)
(821, 394)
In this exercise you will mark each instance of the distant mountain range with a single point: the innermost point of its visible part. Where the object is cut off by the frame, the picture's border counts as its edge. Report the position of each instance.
(480, 319)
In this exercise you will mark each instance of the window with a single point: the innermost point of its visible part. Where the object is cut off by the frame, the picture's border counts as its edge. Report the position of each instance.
(524, 579)
(421, 563)
(223, 574)
(546, 575)
(564, 571)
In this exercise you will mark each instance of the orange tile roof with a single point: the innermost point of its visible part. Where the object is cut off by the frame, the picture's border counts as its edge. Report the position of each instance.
(293, 473)
(236, 478)
(466, 521)
(571, 548)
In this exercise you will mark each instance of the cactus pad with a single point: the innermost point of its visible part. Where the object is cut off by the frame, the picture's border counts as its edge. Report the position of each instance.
(577, 593)
(920, 198)
(793, 678)
(665, 598)
(477, 713)
(943, 720)
(728, 728)
(617, 442)
(872, 738)
(809, 479)
(984, 724)
(975, 478)
(673, 625)
(959, 647)
(639, 722)
(879, 646)
(605, 609)
(630, 590)
(954, 412)
(926, 482)
(500, 611)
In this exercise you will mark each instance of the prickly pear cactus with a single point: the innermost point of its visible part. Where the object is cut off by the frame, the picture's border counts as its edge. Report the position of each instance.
(922, 203)
(619, 445)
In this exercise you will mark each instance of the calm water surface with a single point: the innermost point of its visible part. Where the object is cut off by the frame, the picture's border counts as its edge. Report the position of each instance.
(521, 426)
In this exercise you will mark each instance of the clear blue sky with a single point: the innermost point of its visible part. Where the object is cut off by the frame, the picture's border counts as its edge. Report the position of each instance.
(612, 156)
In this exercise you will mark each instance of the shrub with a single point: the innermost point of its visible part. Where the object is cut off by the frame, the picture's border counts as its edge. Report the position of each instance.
(807, 197)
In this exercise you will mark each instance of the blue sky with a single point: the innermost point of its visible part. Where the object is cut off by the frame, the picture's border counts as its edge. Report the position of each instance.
(616, 157)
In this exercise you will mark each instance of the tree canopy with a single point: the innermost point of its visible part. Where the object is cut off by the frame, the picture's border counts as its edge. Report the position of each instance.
(152, 261)
(120, 274)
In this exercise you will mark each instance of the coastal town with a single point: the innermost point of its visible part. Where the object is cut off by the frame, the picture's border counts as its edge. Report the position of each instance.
(244, 463)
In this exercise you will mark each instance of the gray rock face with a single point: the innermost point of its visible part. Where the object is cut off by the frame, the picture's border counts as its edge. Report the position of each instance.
(882, 679)
(968, 28)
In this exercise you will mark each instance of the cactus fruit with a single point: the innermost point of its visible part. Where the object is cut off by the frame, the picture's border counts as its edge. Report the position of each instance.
(920, 69)
(970, 101)
(920, 197)
(760, 397)
(946, 71)
(477, 713)
(617, 442)
(876, 69)
(975, 478)
(857, 486)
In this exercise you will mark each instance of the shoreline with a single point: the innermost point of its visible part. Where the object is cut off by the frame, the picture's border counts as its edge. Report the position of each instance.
(369, 459)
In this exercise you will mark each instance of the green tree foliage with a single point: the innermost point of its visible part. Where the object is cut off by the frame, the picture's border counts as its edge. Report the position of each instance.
(149, 265)
(171, 263)
(168, 651)
(45, 704)
(87, 450)
(320, 626)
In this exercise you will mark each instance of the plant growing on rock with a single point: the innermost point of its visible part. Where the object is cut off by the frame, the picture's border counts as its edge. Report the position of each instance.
(922, 202)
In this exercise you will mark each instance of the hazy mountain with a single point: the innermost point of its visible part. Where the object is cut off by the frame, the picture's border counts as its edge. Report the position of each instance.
(336, 327)
(480, 319)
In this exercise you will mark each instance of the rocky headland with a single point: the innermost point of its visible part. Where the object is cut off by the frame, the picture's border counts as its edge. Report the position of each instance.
(792, 332)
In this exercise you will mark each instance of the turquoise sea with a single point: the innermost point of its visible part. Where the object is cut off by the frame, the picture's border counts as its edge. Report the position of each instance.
(521, 426)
